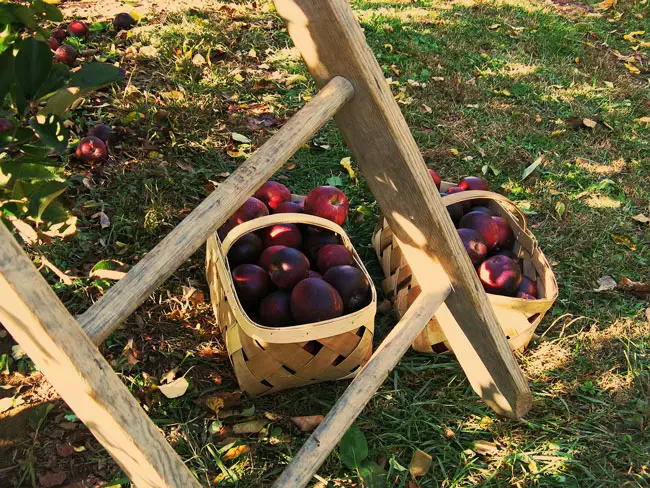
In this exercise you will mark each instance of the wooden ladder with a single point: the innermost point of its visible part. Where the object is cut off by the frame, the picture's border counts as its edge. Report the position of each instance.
(354, 92)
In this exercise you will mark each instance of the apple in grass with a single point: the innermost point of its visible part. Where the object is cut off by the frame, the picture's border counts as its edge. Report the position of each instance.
(59, 34)
(252, 284)
(65, 54)
(275, 309)
(123, 21)
(474, 245)
(247, 249)
(273, 194)
(77, 28)
(103, 132)
(282, 235)
(329, 203)
(314, 300)
(500, 275)
(484, 225)
(333, 255)
(91, 149)
(287, 267)
(352, 284)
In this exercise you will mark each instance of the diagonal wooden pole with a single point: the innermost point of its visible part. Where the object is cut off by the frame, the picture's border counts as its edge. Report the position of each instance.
(332, 43)
(52, 338)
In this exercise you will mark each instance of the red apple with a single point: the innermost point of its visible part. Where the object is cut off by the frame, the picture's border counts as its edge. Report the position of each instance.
(251, 209)
(436, 178)
(482, 208)
(289, 207)
(65, 54)
(352, 285)
(527, 286)
(59, 34)
(282, 235)
(314, 274)
(500, 275)
(77, 28)
(246, 249)
(473, 183)
(506, 236)
(53, 43)
(275, 309)
(474, 245)
(91, 149)
(333, 255)
(525, 296)
(454, 189)
(316, 239)
(273, 194)
(267, 254)
(287, 267)
(252, 284)
(484, 225)
(315, 300)
(327, 202)
(123, 21)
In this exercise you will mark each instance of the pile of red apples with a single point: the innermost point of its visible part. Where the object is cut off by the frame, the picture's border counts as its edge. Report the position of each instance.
(292, 274)
(489, 242)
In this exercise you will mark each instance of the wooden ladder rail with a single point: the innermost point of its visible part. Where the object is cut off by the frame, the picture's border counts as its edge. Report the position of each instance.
(55, 341)
(122, 299)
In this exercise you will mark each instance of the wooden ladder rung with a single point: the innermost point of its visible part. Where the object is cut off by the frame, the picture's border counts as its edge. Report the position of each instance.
(102, 318)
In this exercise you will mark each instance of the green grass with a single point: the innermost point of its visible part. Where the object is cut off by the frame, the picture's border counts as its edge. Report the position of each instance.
(502, 80)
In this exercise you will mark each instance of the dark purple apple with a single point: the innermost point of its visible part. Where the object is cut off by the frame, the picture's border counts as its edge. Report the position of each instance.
(103, 132)
(352, 285)
(91, 149)
(287, 267)
(53, 43)
(275, 309)
(289, 207)
(251, 209)
(267, 254)
(273, 194)
(482, 208)
(252, 284)
(123, 21)
(333, 255)
(327, 202)
(528, 287)
(282, 235)
(456, 212)
(500, 275)
(315, 300)
(473, 183)
(314, 274)
(474, 245)
(506, 238)
(59, 34)
(484, 225)
(316, 239)
(509, 253)
(247, 249)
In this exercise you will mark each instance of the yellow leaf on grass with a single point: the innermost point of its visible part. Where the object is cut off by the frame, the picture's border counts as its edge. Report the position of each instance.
(630, 37)
(420, 463)
(642, 218)
(624, 240)
(238, 77)
(292, 80)
(454, 151)
(605, 5)
(388, 48)
(175, 389)
(632, 69)
(252, 427)
(235, 452)
(136, 16)
(494, 26)
(589, 123)
(347, 164)
(643, 120)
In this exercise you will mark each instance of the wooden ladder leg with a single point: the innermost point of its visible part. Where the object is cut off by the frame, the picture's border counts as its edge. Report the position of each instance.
(51, 337)
(332, 43)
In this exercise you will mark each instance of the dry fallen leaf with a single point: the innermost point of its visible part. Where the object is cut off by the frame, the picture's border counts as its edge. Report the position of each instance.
(426, 109)
(641, 218)
(643, 120)
(185, 166)
(250, 427)
(175, 389)
(64, 450)
(638, 288)
(606, 283)
(307, 423)
(347, 164)
(104, 221)
(589, 123)
(647, 314)
(605, 5)
(420, 463)
(52, 479)
(632, 69)
(107, 274)
(235, 452)
(294, 79)
(624, 240)
(631, 36)
(485, 448)
(240, 138)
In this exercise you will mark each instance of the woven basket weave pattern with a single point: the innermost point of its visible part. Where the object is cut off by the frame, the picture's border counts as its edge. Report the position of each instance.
(267, 359)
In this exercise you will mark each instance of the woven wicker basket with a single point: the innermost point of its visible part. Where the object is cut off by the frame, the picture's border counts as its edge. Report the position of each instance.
(518, 317)
(270, 359)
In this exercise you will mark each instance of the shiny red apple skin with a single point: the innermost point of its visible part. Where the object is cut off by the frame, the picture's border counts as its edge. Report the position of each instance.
(273, 194)
(91, 149)
(500, 275)
(435, 177)
(329, 203)
(473, 183)
(484, 225)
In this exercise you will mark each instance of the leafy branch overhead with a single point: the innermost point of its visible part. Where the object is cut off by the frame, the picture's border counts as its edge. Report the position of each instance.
(37, 93)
